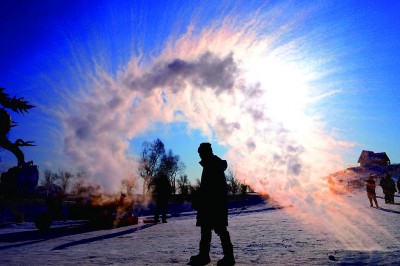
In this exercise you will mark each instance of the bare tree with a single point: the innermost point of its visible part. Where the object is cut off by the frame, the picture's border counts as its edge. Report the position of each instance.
(183, 185)
(171, 166)
(243, 188)
(49, 177)
(82, 188)
(128, 184)
(149, 161)
(233, 184)
(64, 179)
(193, 188)
(49, 182)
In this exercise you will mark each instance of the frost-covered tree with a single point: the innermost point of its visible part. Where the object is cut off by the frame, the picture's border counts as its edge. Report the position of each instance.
(150, 159)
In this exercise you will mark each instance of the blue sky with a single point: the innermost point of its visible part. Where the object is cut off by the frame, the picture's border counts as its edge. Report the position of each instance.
(51, 51)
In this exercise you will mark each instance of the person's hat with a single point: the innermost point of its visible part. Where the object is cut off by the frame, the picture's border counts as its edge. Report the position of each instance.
(205, 148)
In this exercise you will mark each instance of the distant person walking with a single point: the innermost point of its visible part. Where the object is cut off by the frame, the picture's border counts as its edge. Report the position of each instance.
(371, 191)
(388, 187)
(162, 193)
(383, 184)
(212, 210)
(391, 188)
(398, 184)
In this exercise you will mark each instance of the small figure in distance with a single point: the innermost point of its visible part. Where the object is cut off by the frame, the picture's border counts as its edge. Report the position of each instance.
(212, 208)
(162, 191)
(389, 188)
(398, 184)
(371, 191)
(383, 184)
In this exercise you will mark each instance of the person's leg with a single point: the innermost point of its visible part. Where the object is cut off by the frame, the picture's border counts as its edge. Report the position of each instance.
(370, 202)
(164, 211)
(376, 202)
(386, 198)
(203, 257)
(205, 240)
(227, 246)
(157, 212)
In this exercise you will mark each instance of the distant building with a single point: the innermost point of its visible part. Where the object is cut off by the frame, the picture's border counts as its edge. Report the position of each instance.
(370, 158)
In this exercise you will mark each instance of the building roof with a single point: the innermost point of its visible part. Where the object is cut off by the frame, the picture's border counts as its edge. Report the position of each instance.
(372, 156)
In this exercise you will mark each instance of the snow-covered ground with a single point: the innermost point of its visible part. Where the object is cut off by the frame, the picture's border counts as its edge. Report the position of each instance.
(261, 235)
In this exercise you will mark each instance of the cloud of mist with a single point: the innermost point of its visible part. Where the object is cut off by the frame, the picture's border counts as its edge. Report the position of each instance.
(206, 71)
(235, 83)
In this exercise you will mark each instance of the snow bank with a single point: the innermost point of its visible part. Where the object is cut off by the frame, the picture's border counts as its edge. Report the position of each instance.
(261, 235)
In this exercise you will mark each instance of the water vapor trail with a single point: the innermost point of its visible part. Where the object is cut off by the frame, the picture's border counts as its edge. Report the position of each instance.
(251, 89)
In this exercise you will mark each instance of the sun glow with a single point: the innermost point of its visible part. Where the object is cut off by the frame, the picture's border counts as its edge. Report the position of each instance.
(286, 88)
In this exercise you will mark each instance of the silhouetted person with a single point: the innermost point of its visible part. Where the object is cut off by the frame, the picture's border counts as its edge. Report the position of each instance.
(212, 209)
(398, 184)
(383, 184)
(371, 191)
(389, 188)
(162, 192)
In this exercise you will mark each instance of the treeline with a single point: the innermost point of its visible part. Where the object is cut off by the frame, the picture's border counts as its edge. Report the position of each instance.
(154, 160)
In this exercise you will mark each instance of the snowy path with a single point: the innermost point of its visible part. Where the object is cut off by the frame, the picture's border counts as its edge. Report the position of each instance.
(261, 236)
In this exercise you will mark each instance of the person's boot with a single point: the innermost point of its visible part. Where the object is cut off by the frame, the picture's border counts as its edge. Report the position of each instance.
(200, 259)
(226, 261)
(203, 258)
(227, 248)
(156, 217)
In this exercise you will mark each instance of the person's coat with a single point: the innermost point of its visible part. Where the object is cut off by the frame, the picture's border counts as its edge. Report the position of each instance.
(370, 185)
(388, 185)
(391, 186)
(212, 198)
(162, 188)
(383, 184)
